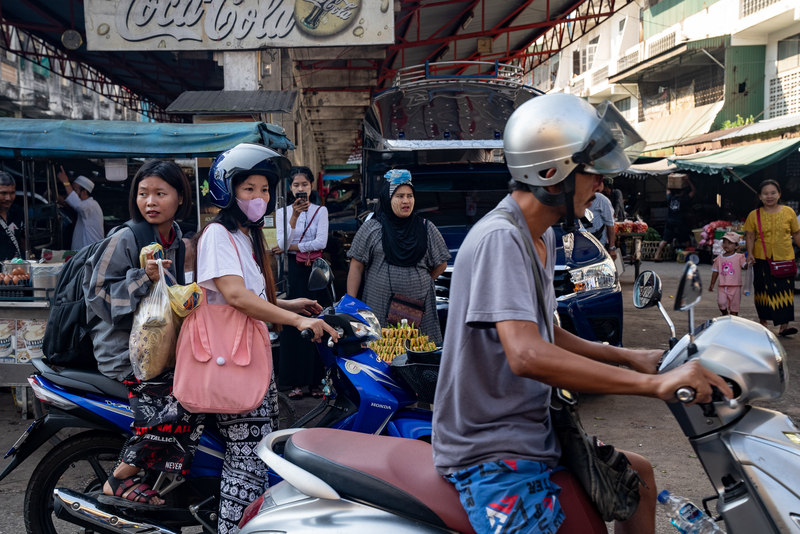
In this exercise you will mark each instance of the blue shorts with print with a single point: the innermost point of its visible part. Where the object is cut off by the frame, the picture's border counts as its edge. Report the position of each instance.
(509, 496)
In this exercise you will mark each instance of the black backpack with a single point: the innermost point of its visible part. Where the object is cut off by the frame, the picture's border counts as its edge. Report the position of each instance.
(66, 340)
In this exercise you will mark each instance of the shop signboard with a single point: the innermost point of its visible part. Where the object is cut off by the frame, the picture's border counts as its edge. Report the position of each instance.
(122, 25)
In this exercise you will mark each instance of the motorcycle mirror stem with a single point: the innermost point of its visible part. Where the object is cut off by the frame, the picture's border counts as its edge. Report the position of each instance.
(692, 347)
(673, 340)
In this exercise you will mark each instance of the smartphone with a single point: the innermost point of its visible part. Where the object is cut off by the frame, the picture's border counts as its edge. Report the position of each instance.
(302, 195)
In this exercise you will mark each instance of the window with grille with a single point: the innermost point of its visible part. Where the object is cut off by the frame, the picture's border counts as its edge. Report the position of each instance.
(784, 94)
(751, 6)
(789, 53)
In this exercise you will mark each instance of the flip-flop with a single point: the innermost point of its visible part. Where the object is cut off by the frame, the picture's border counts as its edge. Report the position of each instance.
(130, 492)
(295, 394)
(317, 393)
(788, 331)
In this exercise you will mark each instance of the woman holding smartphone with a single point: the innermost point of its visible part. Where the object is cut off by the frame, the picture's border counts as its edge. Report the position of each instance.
(307, 229)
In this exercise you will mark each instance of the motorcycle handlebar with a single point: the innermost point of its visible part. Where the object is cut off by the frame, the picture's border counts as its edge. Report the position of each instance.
(308, 335)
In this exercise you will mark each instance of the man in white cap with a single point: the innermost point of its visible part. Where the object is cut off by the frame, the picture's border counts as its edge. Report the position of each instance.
(89, 226)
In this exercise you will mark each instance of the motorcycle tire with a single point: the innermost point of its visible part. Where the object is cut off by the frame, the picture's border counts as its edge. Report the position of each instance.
(87, 449)
(287, 415)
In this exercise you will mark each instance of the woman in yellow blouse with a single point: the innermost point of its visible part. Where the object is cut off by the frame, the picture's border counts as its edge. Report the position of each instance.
(774, 297)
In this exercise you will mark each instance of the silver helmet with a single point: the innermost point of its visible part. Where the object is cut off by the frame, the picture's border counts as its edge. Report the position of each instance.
(560, 131)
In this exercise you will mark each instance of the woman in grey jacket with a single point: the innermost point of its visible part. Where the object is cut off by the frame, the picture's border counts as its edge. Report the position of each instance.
(165, 435)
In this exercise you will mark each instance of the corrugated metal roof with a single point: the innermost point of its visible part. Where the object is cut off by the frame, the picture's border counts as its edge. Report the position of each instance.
(709, 137)
(780, 123)
(668, 131)
(205, 102)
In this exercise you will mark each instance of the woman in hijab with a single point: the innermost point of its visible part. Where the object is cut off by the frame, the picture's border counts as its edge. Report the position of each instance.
(401, 253)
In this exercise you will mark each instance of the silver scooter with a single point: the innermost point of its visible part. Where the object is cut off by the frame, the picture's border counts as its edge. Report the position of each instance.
(357, 483)
(750, 454)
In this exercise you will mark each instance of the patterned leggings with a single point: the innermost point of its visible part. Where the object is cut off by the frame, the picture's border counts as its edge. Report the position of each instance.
(244, 474)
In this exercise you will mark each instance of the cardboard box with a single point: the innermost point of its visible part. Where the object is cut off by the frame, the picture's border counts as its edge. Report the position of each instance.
(675, 180)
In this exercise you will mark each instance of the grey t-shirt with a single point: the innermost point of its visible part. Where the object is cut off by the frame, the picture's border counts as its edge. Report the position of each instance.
(483, 411)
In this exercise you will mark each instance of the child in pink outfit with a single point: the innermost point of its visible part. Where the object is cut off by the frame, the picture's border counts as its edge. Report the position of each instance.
(728, 268)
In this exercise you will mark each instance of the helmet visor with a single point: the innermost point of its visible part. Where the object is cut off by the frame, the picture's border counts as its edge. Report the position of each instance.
(616, 143)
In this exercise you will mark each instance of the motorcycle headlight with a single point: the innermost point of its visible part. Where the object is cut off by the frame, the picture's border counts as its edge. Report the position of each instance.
(601, 275)
(372, 329)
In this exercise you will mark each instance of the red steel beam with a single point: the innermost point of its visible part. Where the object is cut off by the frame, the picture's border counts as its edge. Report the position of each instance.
(495, 32)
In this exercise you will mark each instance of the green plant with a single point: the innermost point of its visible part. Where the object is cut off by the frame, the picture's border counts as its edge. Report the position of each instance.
(652, 235)
(738, 122)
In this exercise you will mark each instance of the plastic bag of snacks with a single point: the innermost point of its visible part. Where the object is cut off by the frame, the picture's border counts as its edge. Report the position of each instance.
(183, 299)
(154, 333)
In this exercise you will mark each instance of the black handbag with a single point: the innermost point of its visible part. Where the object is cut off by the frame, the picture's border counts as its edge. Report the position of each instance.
(602, 470)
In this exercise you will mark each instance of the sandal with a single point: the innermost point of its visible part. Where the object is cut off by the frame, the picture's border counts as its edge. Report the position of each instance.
(317, 393)
(138, 493)
(295, 394)
(788, 331)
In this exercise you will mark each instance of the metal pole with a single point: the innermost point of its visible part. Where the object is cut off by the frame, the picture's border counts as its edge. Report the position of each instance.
(281, 205)
(741, 180)
(25, 173)
(197, 193)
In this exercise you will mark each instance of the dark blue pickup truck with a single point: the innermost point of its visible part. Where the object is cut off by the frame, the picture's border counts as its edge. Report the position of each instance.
(446, 128)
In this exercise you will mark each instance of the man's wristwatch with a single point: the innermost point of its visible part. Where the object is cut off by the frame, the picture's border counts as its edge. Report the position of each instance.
(611, 249)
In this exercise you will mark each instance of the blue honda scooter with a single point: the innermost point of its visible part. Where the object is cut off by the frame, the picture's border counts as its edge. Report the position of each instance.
(360, 395)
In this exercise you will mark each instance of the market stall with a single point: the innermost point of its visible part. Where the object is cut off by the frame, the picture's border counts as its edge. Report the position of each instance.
(34, 147)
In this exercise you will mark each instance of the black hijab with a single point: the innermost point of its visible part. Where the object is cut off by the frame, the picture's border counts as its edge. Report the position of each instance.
(405, 239)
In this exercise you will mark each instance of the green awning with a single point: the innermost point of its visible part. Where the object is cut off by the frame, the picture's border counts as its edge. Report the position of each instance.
(739, 162)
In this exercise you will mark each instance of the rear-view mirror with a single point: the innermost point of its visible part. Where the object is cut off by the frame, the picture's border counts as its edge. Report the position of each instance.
(321, 275)
(690, 288)
(646, 290)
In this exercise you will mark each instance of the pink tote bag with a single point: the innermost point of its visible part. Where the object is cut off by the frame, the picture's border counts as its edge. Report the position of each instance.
(224, 361)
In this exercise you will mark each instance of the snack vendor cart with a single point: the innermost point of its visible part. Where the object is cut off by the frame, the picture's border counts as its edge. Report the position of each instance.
(31, 149)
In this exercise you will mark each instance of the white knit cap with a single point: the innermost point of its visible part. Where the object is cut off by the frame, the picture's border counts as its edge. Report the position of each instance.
(84, 182)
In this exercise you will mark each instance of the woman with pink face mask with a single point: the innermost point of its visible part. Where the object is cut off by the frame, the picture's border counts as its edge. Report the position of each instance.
(234, 267)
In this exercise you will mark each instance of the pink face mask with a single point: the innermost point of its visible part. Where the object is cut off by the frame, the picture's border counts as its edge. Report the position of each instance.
(253, 209)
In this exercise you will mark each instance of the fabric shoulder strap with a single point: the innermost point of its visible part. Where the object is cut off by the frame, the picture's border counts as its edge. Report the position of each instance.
(760, 234)
(309, 224)
(537, 275)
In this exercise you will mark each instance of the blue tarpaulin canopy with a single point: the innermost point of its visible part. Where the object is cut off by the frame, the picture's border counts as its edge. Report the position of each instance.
(41, 138)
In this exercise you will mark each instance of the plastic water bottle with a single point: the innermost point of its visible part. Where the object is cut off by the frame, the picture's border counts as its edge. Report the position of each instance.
(748, 281)
(685, 516)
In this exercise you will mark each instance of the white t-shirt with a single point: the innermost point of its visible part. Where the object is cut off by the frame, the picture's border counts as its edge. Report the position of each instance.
(316, 237)
(89, 226)
(217, 257)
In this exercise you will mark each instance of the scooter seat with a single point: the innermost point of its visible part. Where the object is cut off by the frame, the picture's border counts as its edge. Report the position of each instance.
(87, 381)
(398, 475)
(392, 473)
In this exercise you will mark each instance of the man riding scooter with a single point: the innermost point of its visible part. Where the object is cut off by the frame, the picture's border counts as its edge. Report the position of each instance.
(492, 433)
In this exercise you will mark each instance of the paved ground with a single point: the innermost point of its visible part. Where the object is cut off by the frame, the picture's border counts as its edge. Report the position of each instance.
(641, 425)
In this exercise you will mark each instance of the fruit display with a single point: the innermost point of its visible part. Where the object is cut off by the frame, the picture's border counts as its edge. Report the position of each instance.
(628, 227)
(398, 339)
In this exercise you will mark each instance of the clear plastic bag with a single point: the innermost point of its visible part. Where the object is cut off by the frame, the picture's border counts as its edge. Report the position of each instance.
(155, 333)
(183, 299)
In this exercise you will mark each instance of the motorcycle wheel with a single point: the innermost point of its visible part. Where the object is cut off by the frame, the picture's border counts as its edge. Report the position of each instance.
(286, 412)
(82, 463)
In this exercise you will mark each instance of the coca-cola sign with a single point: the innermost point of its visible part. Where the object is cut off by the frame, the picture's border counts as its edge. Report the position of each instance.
(236, 24)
